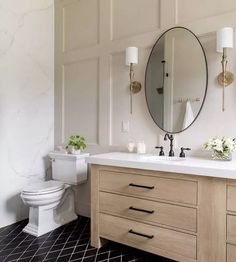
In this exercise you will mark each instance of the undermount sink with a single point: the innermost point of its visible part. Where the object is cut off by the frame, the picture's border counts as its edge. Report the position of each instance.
(162, 158)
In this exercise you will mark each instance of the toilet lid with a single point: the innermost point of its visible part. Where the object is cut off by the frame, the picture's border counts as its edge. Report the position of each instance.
(44, 187)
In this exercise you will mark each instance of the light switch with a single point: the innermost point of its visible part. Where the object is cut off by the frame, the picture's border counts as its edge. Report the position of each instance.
(125, 127)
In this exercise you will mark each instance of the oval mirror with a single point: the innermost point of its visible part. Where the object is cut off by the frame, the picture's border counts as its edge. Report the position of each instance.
(176, 80)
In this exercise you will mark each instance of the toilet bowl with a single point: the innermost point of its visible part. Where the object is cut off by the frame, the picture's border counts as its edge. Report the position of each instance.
(52, 203)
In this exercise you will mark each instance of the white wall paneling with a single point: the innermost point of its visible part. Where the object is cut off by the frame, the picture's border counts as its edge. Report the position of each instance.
(129, 17)
(75, 34)
(80, 99)
(120, 105)
(168, 13)
(123, 23)
(191, 10)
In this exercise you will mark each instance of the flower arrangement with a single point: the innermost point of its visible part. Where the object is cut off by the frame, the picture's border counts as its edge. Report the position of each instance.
(222, 148)
(75, 144)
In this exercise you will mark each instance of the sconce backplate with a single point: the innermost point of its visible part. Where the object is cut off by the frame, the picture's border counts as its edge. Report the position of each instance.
(135, 87)
(227, 80)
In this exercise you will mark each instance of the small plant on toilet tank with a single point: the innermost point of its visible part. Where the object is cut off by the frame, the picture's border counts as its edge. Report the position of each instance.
(75, 144)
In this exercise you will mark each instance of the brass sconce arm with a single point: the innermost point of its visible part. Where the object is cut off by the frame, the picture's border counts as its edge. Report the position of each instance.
(224, 40)
(131, 60)
(225, 78)
(134, 87)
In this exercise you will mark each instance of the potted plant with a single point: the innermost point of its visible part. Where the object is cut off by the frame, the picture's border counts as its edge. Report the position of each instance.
(221, 148)
(75, 144)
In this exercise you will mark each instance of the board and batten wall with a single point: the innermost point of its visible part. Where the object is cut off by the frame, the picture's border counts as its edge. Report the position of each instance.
(91, 78)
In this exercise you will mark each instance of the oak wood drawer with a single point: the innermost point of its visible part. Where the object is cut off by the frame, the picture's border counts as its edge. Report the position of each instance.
(231, 253)
(231, 196)
(150, 238)
(149, 211)
(231, 229)
(177, 190)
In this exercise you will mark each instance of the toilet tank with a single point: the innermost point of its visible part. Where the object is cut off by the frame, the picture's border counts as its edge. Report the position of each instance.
(68, 168)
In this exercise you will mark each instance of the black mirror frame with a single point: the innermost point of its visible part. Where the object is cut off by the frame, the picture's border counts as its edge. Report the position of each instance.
(203, 101)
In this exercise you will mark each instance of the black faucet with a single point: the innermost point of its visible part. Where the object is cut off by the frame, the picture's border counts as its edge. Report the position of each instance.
(161, 153)
(182, 154)
(171, 138)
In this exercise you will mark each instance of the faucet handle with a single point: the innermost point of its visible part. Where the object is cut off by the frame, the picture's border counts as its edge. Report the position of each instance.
(182, 154)
(161, 151)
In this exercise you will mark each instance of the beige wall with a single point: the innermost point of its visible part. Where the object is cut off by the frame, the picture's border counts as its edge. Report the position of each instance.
(26, 99)
(92, 79)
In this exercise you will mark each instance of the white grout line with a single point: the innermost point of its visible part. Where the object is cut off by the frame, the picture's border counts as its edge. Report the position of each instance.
(56, 240)
(10, 233)
(16, 247)
(60, 250)
(96, 254)
(79, 240)
(7, 227)
(40, 246)
(109, 252)
(63, 248)
(104, 260)
(85, 251)
(25, 250)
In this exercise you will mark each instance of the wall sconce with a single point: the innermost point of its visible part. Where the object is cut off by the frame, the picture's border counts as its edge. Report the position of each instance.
(131, 60)
(224, 40)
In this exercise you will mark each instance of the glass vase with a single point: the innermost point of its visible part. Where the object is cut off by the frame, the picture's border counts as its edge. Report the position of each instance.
(223, 156)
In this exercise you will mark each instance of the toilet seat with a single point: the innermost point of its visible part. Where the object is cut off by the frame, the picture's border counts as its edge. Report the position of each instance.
(51, 205)
(43, 193)
(45, 187)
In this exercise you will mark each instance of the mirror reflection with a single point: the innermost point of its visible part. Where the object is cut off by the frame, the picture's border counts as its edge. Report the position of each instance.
(176, 80)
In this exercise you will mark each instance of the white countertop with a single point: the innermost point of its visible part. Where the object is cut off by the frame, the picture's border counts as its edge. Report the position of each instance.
(191, 165)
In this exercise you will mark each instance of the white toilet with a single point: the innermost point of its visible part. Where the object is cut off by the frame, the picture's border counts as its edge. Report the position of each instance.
(51, 203)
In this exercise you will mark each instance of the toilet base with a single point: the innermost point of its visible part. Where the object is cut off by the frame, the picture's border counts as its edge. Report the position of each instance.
(43, 219)
(37, 230)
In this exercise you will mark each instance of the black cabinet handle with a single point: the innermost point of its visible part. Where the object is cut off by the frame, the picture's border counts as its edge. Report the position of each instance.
(142, 210)
(147, 187)
(131, 231)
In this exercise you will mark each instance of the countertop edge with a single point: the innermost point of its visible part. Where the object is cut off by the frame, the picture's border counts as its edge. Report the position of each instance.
(165, 167)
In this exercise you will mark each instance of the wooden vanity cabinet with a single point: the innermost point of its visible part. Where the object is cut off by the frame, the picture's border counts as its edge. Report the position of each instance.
(231, 221)
(178, 216)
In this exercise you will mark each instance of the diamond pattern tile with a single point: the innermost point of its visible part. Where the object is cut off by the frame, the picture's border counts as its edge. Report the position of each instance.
(67, 243)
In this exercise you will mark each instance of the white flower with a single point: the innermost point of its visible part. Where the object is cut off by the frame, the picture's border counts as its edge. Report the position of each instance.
(231, 144)
(222, 145)
(209, 144)
(218, 145)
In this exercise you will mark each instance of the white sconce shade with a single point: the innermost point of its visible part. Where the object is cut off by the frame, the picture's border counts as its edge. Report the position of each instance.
(224, 38)
(131, 58)
(131, 55)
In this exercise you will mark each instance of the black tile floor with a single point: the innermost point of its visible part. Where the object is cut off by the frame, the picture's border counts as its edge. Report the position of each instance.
(67, 243)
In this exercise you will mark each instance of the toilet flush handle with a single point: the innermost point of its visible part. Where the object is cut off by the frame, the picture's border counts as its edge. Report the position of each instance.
(52, 159)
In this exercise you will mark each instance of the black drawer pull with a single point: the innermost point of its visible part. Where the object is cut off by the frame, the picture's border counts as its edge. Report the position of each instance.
(140, 234)
(147, 187)
(142, 210)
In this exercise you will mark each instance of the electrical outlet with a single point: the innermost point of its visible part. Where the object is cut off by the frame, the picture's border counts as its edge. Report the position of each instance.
(125, 127)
